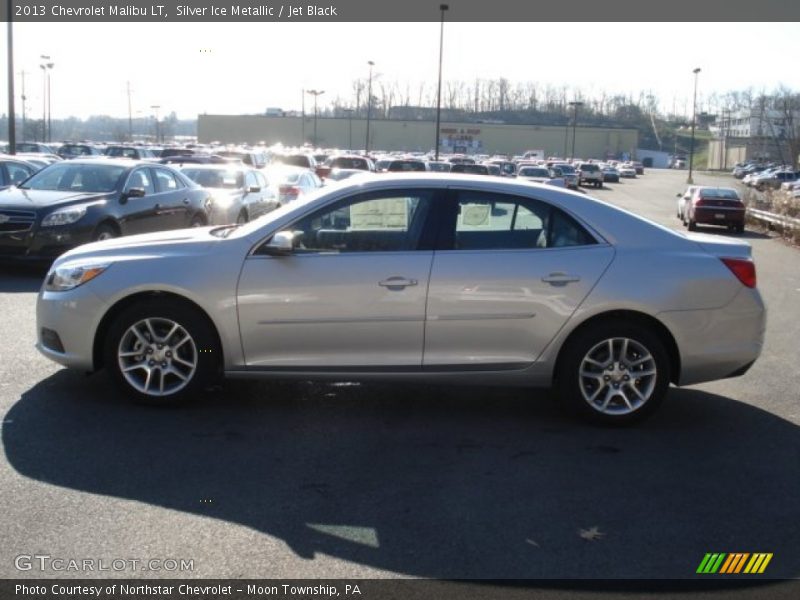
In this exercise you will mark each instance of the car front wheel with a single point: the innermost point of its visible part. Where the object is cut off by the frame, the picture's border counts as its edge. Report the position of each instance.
(162, 351)
(614, 372)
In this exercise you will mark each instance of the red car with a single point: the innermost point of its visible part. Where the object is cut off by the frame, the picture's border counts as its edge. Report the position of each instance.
(715, 206)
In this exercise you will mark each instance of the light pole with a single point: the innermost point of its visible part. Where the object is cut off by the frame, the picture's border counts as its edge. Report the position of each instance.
(24, 98)
(566, 137)
(442, 8)
(689, 179)
(46, 67)
(155, 107)
(575, 105)
(369, 104)
(315, 93)
(349, 112)
(12, 126)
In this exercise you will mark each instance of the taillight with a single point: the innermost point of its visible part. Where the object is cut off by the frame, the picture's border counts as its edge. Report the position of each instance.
(744, 269)
(700, 202)
(289, 190)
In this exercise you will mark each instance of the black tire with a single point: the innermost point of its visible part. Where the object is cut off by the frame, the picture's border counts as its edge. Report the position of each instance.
(104, 231)
(691, 224)
(591, 342)
(198, 221)
(202, 350)
(740, 228)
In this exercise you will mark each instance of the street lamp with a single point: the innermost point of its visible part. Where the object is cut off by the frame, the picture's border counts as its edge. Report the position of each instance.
(689, 179)
(315, 93)
(369, 104)
(442, 8)
(349, 112)
(155, 107)
(46, 122)
(575, 105)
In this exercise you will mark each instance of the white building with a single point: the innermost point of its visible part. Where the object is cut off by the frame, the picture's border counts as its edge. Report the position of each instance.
(754, 123)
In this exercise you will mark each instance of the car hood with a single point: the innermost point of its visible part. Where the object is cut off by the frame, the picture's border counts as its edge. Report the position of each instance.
(15, 196)
(194, 241)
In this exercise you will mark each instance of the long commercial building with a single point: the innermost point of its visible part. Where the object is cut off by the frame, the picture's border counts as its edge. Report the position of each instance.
(417, 136)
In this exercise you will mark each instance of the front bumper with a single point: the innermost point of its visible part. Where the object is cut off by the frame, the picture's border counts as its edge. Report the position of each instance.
(42, 244)
(73, 316)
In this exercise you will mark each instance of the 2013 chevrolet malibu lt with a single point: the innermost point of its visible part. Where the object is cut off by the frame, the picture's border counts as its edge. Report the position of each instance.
(416, 277)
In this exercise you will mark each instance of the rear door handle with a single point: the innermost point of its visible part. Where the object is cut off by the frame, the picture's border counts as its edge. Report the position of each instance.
(397, 282)
(560, 278)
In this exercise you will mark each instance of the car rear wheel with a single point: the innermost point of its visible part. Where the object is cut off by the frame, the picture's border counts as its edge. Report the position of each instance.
(614, 372)
(162, 351)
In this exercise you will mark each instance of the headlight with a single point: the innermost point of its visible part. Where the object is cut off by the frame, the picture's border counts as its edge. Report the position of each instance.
(68, 276)
(64, 216)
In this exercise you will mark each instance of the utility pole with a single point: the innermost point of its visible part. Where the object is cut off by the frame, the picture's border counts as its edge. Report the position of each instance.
(130, 115)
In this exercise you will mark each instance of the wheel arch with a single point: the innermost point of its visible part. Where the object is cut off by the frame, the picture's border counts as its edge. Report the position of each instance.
(111, 222)
(630, 316)
(122, 304)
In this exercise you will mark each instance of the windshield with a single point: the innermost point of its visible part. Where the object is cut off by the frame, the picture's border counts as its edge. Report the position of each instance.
(215, 178)
(72, 177)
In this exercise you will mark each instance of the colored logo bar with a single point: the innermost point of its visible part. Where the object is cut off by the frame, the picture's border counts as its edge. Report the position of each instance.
(734, 563)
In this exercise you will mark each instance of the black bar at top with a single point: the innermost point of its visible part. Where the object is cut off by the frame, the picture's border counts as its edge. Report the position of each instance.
(538, 13)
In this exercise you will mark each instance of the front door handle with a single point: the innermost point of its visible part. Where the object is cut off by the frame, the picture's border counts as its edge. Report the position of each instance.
(560, 278)
(186, 201)
(397, 282)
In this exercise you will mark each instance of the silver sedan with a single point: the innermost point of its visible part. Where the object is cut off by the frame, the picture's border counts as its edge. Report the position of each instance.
(418, 277)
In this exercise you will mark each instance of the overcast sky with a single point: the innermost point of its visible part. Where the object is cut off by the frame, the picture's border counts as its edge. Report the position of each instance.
(244, 68)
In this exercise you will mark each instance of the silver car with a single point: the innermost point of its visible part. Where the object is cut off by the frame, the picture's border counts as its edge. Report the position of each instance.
(417, 277)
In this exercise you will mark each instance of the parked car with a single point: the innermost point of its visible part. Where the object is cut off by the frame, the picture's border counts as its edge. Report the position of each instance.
(306, 161)
(565, 172)
(77, 201)
(589, 174)
(68, 151)
(238, 194)
(638, 167)
(539, 174)
(678, 162)
(474, 169)
(610, 174)
(683, 199)
(714, 206)
(406, 164)
(415, 277)
(14, 171)
(134, 152)
(293, 182)
(342, 174)
(36, 147)
(626, 170)
(774, 180)
(439, 166)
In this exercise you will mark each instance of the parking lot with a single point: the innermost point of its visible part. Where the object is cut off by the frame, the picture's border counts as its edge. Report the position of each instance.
(383, 480)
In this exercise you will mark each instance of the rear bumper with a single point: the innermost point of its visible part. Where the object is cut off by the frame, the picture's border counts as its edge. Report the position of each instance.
(718, 216)
(719, 343)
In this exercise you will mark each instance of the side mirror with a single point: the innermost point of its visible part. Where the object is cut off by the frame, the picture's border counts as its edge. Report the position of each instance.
(679, 195)
(135, 193)
(281, 244)
(253, 189)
